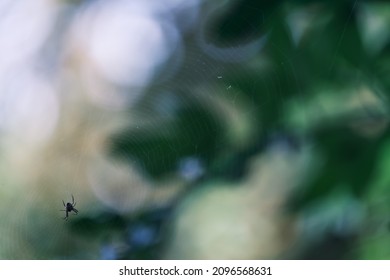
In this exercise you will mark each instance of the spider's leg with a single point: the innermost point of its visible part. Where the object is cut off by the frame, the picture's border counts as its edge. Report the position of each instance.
(75, 210)
(73, 200)
(63, 203)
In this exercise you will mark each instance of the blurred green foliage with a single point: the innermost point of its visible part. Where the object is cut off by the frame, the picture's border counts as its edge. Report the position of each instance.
(194, 131)
(330, 55)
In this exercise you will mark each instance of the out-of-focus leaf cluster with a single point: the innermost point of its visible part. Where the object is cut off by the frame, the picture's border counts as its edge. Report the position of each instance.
(311, 47)
(261, 132)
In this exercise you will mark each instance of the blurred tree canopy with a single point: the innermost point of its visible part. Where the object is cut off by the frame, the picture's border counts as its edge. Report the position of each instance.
(330, 53)
(322, 58)
(247, 82)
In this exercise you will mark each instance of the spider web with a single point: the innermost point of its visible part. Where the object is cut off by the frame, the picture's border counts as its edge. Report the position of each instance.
(130, 130)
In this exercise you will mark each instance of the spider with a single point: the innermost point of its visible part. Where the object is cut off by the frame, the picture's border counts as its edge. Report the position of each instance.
(69, 207)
